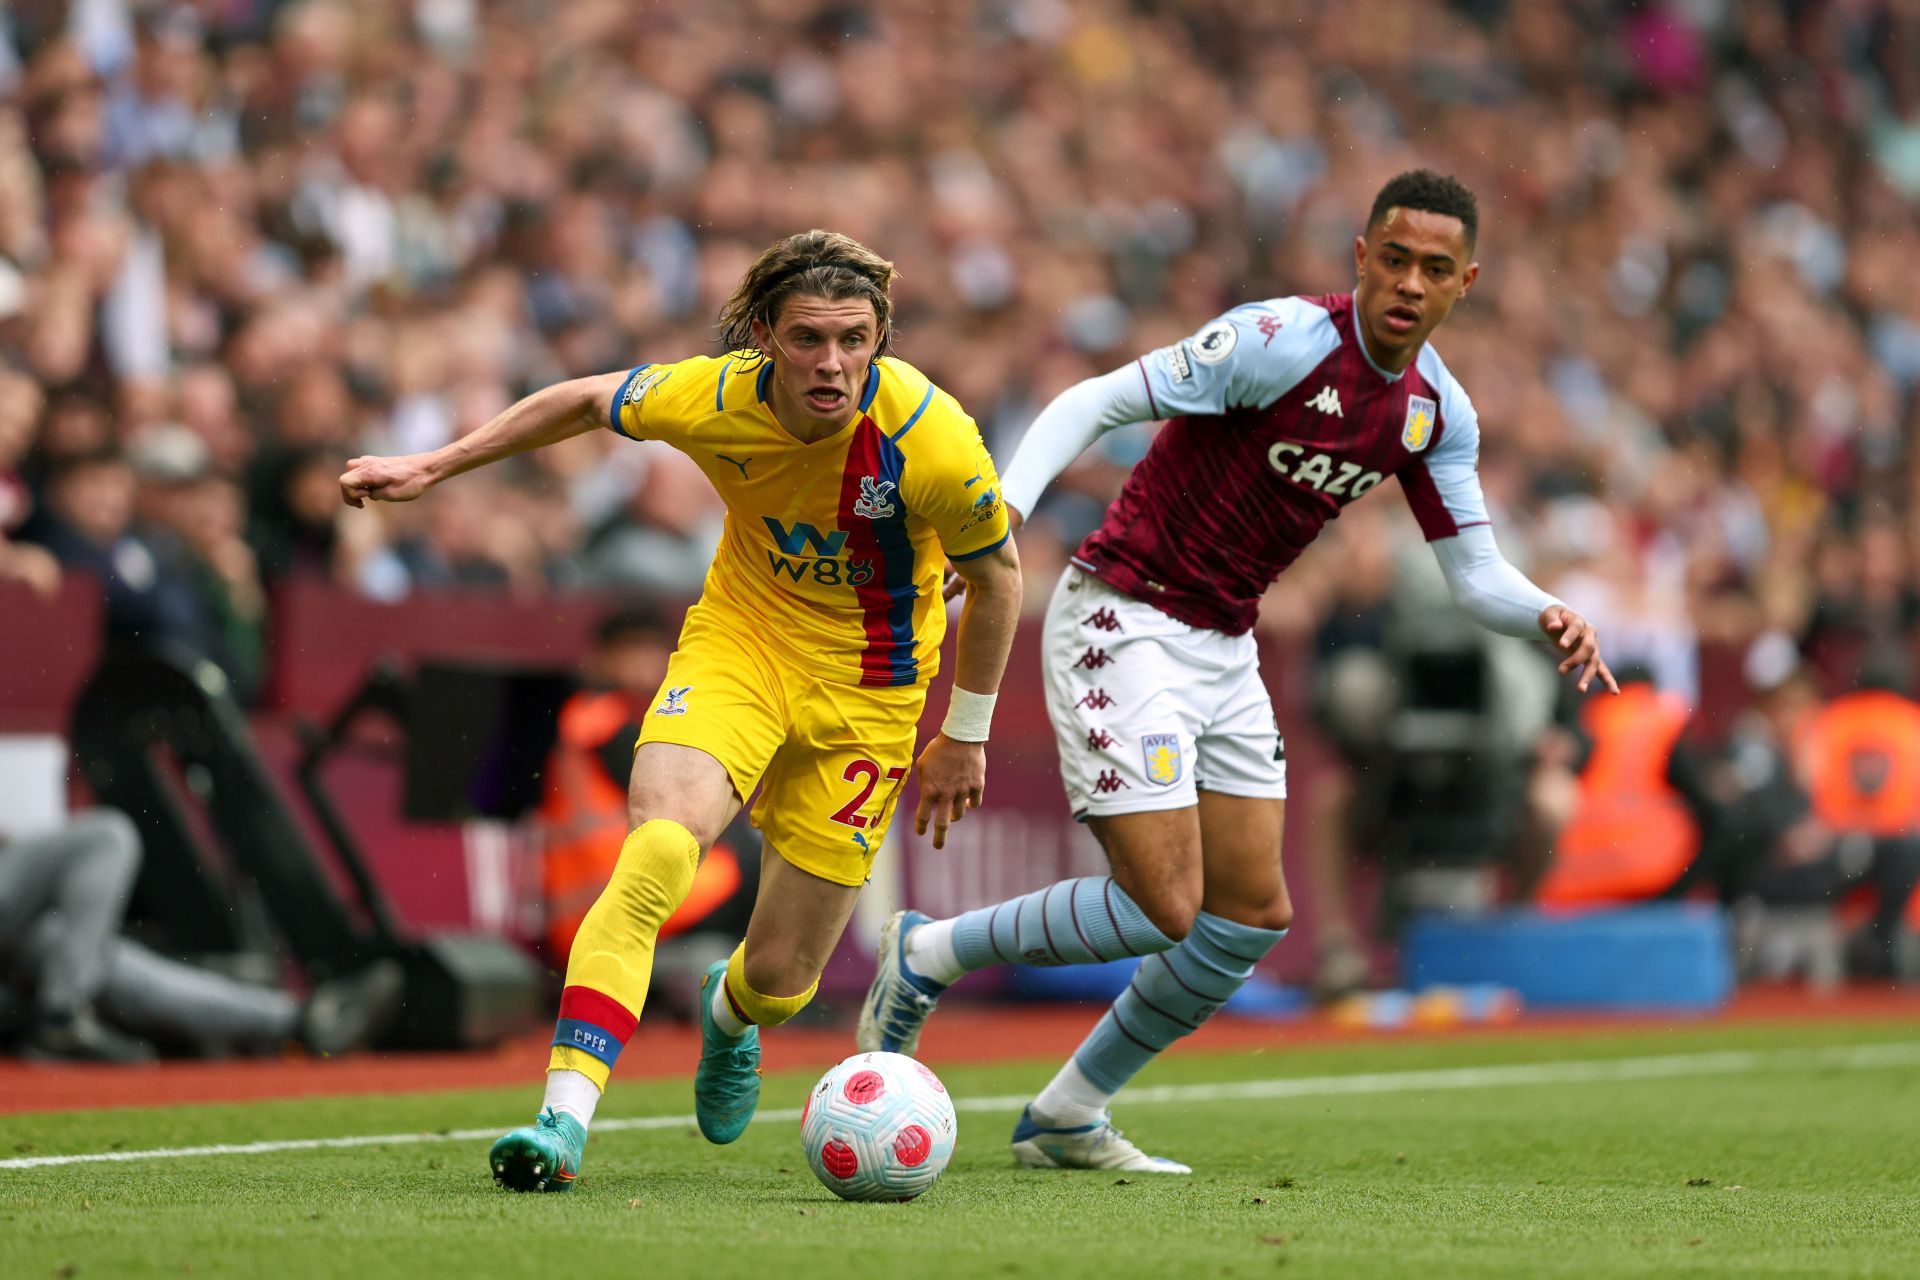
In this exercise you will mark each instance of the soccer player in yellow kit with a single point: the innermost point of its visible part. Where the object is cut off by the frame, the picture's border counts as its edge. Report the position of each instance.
(849, 479)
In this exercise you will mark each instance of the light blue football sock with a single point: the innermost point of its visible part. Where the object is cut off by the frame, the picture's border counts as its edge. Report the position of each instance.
(1084, 921)
(1172, 993)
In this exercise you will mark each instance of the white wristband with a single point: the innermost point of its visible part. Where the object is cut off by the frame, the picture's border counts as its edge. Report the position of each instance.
(968, 715)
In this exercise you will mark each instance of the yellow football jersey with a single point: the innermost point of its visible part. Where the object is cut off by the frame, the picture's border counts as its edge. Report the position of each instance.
(834, 549)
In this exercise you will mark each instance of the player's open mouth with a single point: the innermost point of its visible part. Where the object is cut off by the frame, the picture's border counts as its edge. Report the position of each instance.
(826, 399)
(1402, 319)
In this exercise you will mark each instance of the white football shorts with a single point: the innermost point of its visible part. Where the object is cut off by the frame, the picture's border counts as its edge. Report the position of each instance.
(1148, 711)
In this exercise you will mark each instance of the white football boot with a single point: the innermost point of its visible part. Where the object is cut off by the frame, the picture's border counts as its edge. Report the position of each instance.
(1089, 1146)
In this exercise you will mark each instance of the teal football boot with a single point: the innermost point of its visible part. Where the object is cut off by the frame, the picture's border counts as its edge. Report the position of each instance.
(544, 1156)
(726, 1088)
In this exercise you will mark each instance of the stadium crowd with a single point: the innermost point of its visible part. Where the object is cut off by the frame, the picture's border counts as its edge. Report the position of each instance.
(242, 241)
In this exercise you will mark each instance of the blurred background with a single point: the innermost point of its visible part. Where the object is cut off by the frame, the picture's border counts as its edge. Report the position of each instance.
(243, 241)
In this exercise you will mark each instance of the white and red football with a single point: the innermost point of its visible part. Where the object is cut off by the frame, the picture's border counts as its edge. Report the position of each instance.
(879, 1126)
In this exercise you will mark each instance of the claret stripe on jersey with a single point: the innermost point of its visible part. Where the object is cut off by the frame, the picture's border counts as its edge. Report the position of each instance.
(886, 598)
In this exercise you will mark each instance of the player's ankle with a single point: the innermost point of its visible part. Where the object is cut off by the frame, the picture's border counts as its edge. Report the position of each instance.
(1064, 1115)
(569, 1093)
(725, 1019)
(929, 953)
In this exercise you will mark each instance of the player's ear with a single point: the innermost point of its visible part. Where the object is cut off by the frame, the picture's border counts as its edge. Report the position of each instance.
(763, 338)
(1468, 276)
(1359, 256)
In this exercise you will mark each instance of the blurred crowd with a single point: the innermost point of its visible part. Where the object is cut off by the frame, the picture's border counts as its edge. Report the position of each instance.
(242, 241)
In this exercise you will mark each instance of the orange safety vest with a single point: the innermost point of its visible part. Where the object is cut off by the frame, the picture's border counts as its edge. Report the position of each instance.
(584, 814)
(1859, 757)
(1631, 835)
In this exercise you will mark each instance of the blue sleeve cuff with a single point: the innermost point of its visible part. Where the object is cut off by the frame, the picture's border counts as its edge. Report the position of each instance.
(975, 555)
(613, 410)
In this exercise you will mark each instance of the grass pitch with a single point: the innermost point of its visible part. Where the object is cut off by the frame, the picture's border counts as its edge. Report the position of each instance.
(1780, 1156)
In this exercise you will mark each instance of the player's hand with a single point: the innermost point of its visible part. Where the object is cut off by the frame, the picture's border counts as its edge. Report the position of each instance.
(400, 479)
(1575, 635)
(953, 779)
(955, 584)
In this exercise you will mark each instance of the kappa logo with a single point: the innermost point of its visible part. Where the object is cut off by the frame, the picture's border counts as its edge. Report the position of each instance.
(1099, 739)
(872, 502)
(1095, 700)
(1269, 325)
(1109, 781)
(1093, 659)
(1104, 620)
(1328, 401)
(676, 703)
(1162, 758)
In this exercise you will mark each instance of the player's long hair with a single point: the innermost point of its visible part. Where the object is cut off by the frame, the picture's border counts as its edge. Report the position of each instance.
(818, 264)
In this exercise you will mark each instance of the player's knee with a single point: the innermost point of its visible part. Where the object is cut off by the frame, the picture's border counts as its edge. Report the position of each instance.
(1276, 915)
(1171, 910)
(1264, 910)
(642, 809)
(755, 978)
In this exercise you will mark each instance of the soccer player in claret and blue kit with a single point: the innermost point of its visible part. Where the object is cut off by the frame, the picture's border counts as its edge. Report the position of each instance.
(849, 479)
(1278, 414)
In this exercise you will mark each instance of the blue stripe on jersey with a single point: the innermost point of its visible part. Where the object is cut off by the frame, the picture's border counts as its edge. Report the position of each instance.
(974, 555)
(766, 378)
(613, 410)
(720, 390)
(925, 400)
(896, 559)
(873, 387)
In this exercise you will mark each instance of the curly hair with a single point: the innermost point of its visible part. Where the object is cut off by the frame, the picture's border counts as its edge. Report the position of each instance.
(817, 264)
(1429, 192)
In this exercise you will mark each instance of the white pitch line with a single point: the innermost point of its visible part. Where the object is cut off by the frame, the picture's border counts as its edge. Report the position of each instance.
(1667, 1066)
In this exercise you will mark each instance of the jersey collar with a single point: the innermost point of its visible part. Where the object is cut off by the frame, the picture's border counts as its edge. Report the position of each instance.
(866, 397)
(1360, 336)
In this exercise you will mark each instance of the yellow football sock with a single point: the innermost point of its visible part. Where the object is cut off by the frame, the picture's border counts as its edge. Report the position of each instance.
(612, 957)
(750, 1006)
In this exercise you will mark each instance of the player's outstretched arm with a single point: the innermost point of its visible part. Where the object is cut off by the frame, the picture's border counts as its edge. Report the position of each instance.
(1069, 424)
(953, 768)
(1500, 598)
(556, 413)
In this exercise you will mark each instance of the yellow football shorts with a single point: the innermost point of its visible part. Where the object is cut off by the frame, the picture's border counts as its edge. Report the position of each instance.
(830, 759)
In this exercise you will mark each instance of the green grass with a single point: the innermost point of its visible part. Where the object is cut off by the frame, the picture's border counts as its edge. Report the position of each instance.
(1813, 1171)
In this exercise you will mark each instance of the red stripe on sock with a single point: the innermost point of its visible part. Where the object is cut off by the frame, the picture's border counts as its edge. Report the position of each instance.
(738, 1012)
(599, 1009)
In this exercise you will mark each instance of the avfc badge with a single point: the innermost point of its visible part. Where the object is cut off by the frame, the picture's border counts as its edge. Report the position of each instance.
(676, 703)
(1162, 752)
(1418, 433)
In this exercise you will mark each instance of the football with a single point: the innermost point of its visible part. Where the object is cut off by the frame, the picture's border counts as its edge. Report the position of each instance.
(879, 1126)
